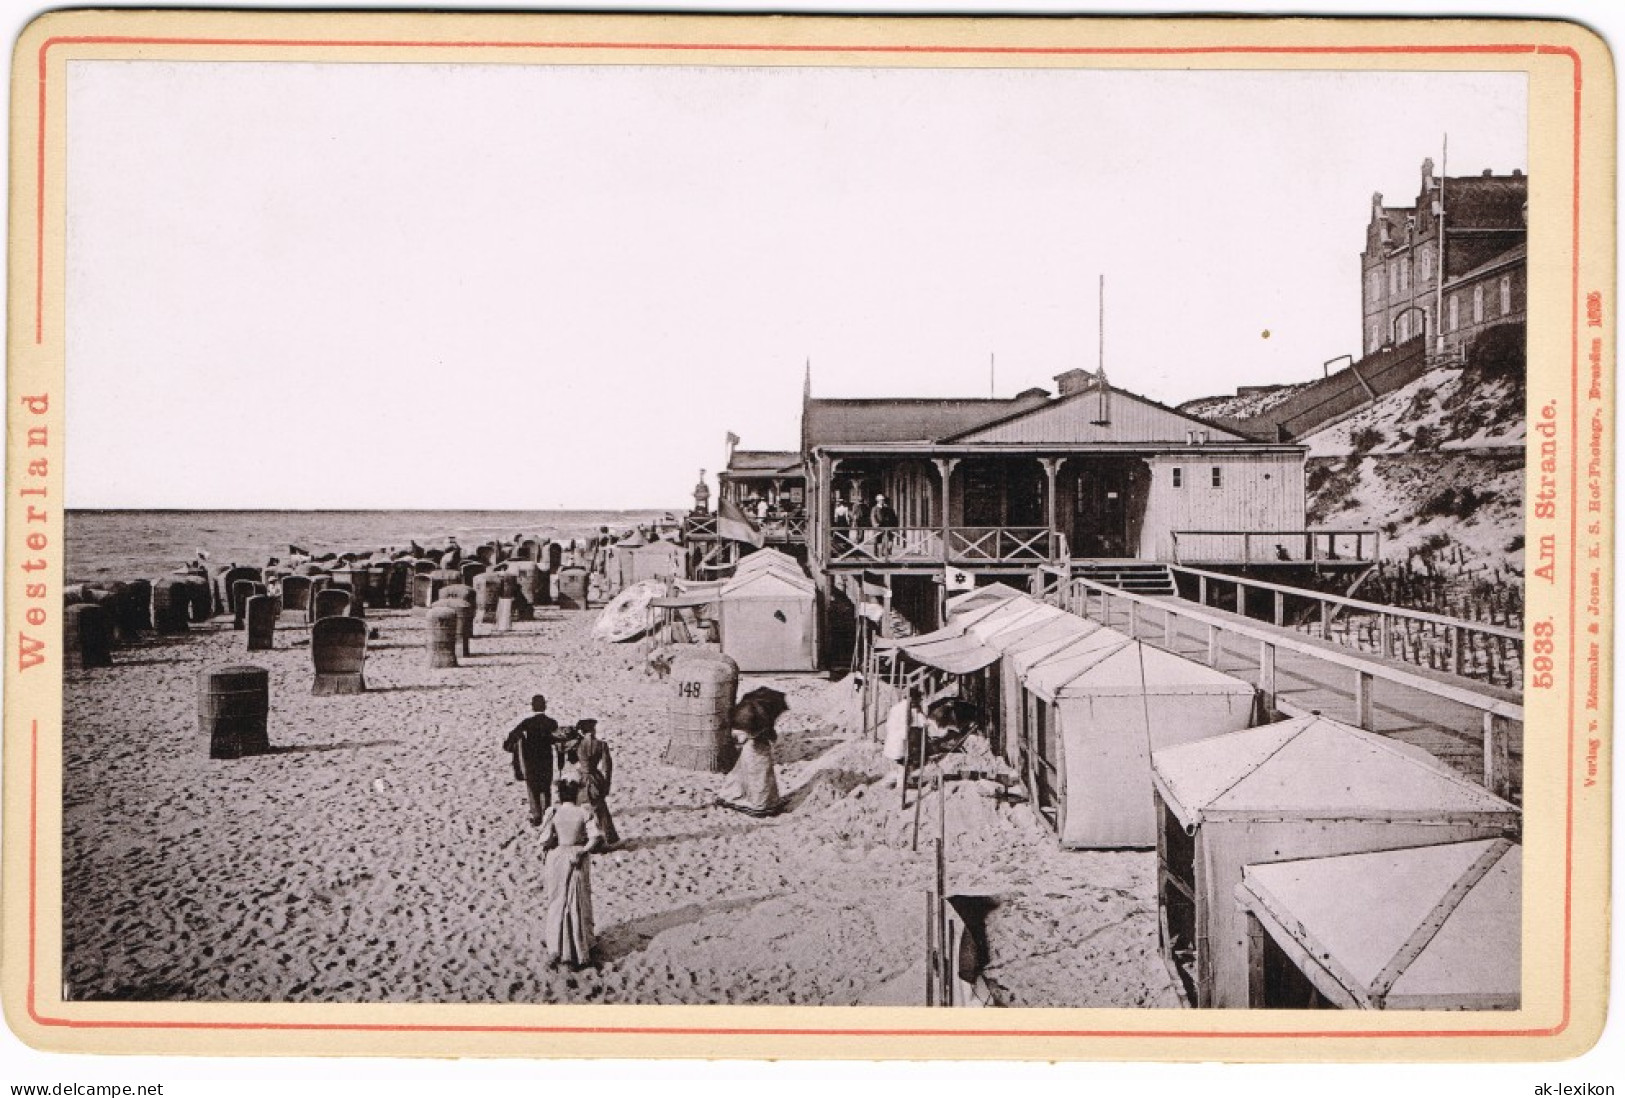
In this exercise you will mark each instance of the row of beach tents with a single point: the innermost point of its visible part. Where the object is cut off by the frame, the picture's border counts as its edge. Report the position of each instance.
(1301, 863)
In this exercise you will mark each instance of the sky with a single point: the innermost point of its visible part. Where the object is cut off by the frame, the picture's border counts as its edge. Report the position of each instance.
(482, 286)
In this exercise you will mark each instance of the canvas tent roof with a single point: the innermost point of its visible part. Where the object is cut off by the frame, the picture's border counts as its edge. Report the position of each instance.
(768, 584)
(987, 621)
(1380, 949)
(768, 558)
(1314, 768)
(1109, 663)
(1045, 619)
(1052, 640)
(957, 654)
(993, 593)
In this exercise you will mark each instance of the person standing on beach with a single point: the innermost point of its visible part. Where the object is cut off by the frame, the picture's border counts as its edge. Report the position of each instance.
(531, 744)
(596, 769)
(569, 836)
(903, 722)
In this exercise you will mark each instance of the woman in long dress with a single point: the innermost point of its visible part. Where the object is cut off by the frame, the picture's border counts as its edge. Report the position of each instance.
(752, 786)
(569, 835)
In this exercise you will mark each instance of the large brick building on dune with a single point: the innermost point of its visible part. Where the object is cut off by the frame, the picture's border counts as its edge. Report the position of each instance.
(1451, 265)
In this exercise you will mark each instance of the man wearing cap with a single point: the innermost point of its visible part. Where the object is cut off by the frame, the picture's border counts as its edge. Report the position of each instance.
(531, 744)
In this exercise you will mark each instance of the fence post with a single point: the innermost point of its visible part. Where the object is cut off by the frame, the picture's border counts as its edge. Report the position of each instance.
(1497, 756)
(1280, 609)
(1246, 548)
(1325, 621)
(1364, 717)
(1213, 646)
(1241, 599)
(1266, 672)
(1201, 590)
(1385, 633)
(1458, 645)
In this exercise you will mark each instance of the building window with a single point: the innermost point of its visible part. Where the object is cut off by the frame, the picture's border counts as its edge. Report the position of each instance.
(1427, 320)
(1179, 477)
(1427, 265)
(1218, 477)
(1393, 278)
(1404, 327)
(1478, 304)
(1506, 295)
(1376, 285)
(1404, 277)
(1373, 343)
(1455, 311)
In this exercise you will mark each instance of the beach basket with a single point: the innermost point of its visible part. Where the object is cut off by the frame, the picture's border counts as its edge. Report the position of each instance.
(200, 597)
(704, 688)
(241, 591)
(470, 569)
(87, 636)
(233, 706)
(297, 595)
(331, 603)
(171, 605)
(261, 617)
(338, 649)
(487, 586)
(461, 600)
(398, 585)
(443, 637)
(135, 609)
(573, 589)
(229, 581)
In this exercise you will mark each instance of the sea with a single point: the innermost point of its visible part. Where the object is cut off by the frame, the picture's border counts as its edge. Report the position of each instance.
(125, 545)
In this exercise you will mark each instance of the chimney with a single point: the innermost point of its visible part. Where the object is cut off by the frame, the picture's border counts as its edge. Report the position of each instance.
(1488, 173)
(1517, 172)
(1073, 381)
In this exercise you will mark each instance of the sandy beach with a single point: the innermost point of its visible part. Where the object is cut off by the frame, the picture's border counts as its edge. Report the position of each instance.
(381, 852)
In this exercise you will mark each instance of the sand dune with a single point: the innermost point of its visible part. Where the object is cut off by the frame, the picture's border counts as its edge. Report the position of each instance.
(381, 852)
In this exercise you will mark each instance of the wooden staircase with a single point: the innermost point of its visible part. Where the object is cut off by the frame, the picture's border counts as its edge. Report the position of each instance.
(1141, 577)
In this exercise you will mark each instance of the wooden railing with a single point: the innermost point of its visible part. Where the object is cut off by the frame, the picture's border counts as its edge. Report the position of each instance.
(1321, 546)
(1472, 649)
(779, 530)
(962, 545)
(699, 527)
(1145, 617)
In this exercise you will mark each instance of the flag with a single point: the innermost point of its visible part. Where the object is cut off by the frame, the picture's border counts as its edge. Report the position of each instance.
(733, 439)
(735, 525)
(957, 579)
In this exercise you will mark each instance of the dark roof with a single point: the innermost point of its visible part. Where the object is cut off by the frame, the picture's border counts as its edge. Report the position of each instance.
(1516, 253)
(1485, 201)
(1092, 391)
(744, 462)
(837, 422)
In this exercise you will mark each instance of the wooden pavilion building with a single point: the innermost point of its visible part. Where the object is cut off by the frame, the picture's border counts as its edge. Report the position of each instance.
(1095, 479)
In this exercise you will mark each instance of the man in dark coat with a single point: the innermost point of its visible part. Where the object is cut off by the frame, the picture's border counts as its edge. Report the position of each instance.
(531, 744)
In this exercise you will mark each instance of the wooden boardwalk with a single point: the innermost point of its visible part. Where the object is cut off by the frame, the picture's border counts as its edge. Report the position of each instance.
(1305, 683)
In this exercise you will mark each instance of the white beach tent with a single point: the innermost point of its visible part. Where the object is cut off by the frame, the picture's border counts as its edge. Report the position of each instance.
(1095, 710)
(658, 560)
(1303, 788)
(1424, 928)
(769, 621)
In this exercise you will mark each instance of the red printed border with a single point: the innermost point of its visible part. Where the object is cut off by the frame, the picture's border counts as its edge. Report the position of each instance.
(766, 48)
